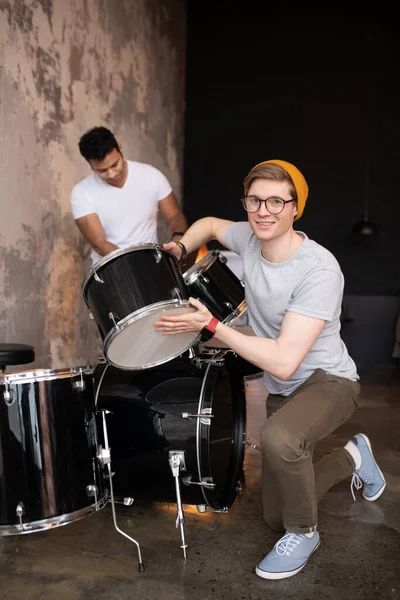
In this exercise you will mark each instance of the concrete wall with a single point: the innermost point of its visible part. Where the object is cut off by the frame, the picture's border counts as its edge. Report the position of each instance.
(65, 66)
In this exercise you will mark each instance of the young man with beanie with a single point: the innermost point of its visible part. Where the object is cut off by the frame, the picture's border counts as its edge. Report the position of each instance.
(294, 290)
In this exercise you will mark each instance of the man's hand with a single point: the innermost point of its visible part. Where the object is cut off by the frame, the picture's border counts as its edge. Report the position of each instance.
(173, 248)
(191, 321)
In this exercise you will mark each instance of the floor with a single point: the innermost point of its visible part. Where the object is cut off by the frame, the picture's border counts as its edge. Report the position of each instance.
(358, 559)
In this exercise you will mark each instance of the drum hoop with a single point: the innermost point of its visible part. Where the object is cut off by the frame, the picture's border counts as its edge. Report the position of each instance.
(52, 522)
(198, 268)
(120, 252)
(45, 374)
(129, 319)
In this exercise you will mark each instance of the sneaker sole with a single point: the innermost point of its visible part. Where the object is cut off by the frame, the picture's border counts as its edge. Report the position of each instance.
(284, 575)
(372, 498)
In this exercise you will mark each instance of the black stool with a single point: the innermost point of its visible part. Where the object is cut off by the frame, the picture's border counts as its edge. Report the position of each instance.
(15, 354)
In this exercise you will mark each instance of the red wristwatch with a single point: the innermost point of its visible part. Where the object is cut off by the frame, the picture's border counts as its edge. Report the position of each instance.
(209, 330)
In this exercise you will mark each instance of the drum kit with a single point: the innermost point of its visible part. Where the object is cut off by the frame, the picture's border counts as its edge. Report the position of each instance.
(159, 418)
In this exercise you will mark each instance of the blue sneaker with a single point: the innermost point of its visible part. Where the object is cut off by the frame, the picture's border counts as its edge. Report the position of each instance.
(368, 476)
(289, 555)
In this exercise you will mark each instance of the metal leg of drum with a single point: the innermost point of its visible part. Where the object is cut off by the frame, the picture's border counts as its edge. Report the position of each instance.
(96, 398)
(176, 463)
(106, 456)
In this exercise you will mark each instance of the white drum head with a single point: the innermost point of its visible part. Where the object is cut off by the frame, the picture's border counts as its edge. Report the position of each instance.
(137, 345)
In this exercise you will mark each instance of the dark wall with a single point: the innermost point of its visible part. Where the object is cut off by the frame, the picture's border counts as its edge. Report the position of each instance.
(317, 88)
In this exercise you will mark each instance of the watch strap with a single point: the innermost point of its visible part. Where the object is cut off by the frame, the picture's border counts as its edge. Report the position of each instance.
(209, 330)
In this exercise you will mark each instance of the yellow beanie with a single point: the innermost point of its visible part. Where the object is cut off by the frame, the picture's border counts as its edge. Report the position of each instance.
(299, 183)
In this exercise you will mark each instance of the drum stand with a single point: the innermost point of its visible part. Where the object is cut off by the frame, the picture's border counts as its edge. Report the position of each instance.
(105, 457)
(177, 462)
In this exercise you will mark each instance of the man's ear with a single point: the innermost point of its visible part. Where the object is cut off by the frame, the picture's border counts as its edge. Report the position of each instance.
(120, 148)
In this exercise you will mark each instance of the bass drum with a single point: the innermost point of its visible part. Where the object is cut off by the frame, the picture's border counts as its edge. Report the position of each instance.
(194, 406)
(50, 474)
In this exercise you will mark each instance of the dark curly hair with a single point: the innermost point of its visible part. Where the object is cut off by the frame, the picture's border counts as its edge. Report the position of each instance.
(96, 143)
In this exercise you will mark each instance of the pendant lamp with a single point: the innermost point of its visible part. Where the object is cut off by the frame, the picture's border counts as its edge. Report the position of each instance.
(366, 227)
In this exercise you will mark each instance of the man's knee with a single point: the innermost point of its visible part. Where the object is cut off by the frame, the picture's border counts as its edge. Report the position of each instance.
(279, 443)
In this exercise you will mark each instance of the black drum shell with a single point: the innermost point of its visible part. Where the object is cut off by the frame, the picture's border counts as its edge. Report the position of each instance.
(216, 285)
(145, 424)
(48, 449)
(132, 279)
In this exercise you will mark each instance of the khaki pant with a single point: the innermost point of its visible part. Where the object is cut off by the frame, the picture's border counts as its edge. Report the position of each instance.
(292, 484)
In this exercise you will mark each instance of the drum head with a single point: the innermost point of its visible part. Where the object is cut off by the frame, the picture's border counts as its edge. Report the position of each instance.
(136, 345)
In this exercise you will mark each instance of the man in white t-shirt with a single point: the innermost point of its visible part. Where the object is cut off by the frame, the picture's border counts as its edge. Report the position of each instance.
(118, 203)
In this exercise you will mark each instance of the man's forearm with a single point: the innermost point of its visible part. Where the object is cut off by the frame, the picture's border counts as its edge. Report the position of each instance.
(104, 248)
(198, 234)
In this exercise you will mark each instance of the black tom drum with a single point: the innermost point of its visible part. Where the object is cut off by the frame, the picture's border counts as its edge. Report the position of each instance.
(126, 291)
(212, 281)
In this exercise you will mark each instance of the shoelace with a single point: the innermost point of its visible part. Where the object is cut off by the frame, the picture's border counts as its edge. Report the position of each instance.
(356, 483)
(288, 543)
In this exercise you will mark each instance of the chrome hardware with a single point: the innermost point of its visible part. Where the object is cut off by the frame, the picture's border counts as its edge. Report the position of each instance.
(127, 501)
(242, 282)
(158, 255)
(229, 305)
(8, 394)
(79, 385)
(106, 452)
(176, 293)
(113, 317)
(204, 420)
(104, 456)
(202, 508)
(20, 511)
(97, 278)
(222, 257)
(204, 278)
(91, 490)
(216, 360)
(205, 482)
(177, 463)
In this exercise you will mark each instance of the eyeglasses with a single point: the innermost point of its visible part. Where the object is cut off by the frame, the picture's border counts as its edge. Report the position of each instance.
(273, 205)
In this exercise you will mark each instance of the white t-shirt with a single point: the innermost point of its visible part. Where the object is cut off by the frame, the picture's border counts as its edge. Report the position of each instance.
(128, 214)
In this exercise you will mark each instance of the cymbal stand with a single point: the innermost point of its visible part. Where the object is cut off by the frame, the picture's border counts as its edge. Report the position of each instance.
(177, 462)
(105, 457)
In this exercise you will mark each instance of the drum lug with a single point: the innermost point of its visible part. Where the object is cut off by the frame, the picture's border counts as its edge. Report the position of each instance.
(20, 511)
(221, 257)
(91, 490)
(113, 317)
(79, 385)
(97, 278)
(8, 394)
(158, 254)
(204, 278)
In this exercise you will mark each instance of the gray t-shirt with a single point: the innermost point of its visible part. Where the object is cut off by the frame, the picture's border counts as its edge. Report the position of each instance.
(309, 283)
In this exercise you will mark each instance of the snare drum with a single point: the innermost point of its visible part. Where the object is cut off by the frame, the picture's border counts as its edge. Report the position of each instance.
(127, 291)
(50, 474)
(212, 281)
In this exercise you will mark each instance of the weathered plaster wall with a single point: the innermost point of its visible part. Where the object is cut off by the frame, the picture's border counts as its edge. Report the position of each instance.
(65, 66)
